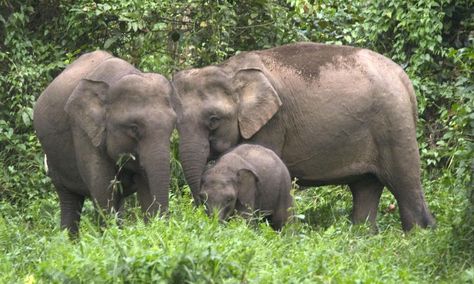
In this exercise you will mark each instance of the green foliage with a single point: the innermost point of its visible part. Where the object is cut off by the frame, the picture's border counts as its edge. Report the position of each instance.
(25, 72)
(189, 247)
(431, 39)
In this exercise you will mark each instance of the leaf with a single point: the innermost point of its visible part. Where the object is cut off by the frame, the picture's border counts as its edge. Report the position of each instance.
(134, 26)
(159, 26)
(109, 42)
(26, 118)
(388, 14)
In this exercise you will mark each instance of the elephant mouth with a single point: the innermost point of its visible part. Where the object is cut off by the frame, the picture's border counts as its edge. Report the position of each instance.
(223, 214)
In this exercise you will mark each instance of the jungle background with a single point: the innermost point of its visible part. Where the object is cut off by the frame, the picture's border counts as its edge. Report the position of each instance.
(433, 40)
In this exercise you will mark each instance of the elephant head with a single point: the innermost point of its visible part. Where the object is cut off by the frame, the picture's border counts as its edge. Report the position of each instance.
(225, 192)
(217, 108)
(130, 115)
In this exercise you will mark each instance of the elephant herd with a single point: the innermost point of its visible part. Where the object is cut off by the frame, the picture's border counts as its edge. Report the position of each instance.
(323, 114)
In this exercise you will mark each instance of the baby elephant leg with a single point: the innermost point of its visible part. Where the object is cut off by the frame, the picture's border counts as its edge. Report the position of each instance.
(366, 194)
(282, 213)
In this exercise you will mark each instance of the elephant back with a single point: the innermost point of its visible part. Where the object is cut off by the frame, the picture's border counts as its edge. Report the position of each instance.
(49, 115)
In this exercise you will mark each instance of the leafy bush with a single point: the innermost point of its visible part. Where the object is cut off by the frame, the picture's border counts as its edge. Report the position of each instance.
(26, 71)
(189, 247)
(431, 39)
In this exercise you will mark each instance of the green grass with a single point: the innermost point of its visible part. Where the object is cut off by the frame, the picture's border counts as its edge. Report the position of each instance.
(320, 246)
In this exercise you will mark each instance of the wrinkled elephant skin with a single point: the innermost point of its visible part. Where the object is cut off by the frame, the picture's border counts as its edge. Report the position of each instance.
(97, 110)
(248, 179)
(334, 114)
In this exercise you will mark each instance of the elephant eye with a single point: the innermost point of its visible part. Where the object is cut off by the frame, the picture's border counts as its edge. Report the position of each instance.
(134, 131)
(214, 122)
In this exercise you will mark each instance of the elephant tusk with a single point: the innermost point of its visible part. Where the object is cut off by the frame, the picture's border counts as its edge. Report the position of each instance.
(45, 162)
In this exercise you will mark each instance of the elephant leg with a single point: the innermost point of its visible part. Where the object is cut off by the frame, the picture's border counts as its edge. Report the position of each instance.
(120, 212)
(282, 213)
(404, 183)
(105, 206)
(107, 202)
(279, 218)
(366, 194)
(411, 202)
(71, 208)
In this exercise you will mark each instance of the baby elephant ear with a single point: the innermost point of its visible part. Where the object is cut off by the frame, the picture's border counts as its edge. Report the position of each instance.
(258, 101)
(86, 108)
(247, 188)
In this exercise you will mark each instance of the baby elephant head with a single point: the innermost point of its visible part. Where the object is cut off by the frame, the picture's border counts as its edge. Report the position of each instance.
(223, 193)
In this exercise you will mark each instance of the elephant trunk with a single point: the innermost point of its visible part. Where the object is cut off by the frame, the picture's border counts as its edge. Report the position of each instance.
(155, 160)
(194, 154)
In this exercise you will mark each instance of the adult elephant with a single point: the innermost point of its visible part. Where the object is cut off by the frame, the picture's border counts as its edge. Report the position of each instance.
(334, 114)
(98, 109)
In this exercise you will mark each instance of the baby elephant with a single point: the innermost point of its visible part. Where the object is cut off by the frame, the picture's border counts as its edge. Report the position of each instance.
(249, 178)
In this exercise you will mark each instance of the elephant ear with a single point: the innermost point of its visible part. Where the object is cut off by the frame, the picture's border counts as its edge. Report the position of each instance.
(86, 108)
(247, 189)
(258, 100)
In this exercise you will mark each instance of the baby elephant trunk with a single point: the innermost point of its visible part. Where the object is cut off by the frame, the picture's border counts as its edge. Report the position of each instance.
(213, 209)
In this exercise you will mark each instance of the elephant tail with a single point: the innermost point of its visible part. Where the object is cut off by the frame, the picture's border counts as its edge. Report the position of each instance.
(411, 93)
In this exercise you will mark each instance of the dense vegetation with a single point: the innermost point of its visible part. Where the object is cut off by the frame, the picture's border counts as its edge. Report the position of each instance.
(432, 39)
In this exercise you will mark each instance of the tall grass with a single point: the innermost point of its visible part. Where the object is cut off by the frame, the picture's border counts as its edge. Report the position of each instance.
(318, 246)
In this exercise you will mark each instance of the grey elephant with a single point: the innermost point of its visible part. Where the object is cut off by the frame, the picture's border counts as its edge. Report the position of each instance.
(334, 114)
(248, 179)
(98, 109)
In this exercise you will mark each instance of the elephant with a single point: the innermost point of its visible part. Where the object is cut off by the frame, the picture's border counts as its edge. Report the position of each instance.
(334, 114)
(246, 179)
(99, 110)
